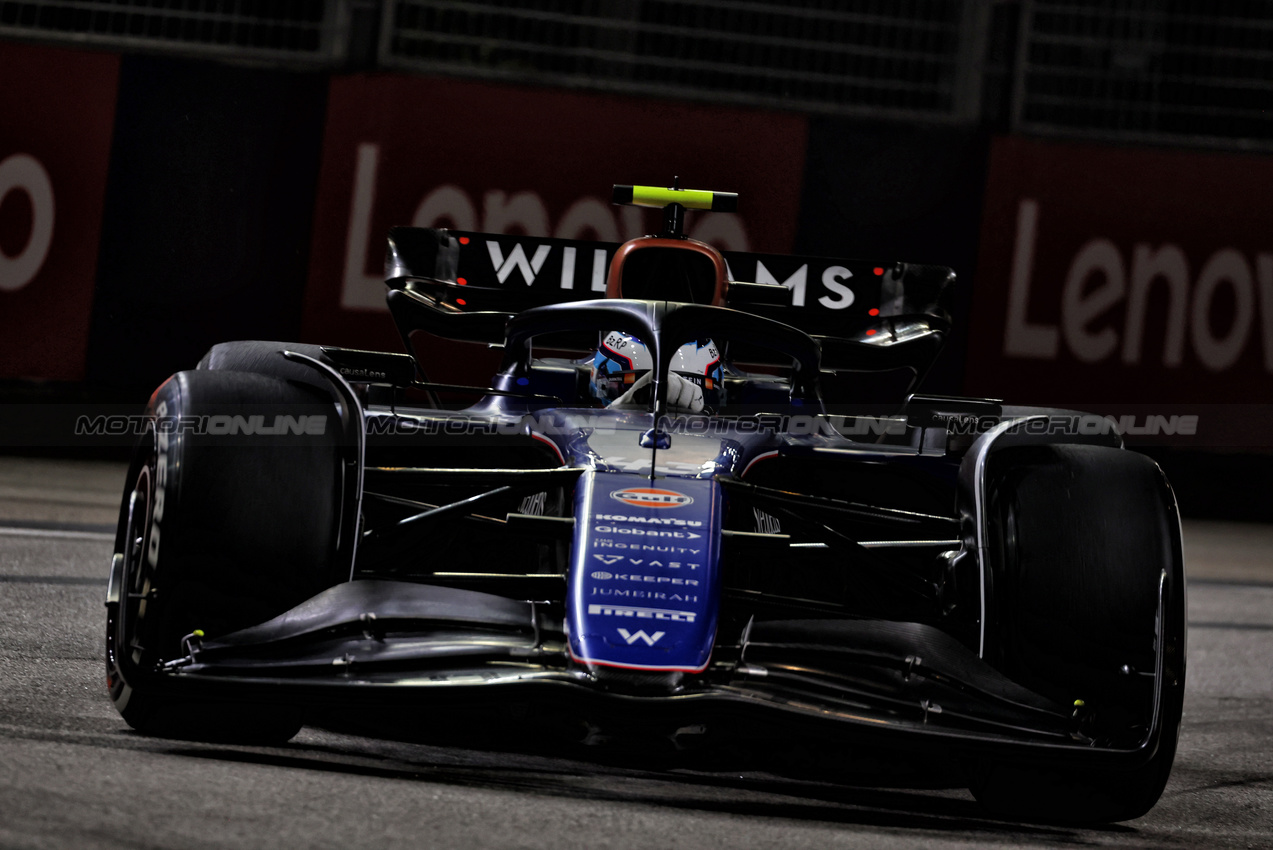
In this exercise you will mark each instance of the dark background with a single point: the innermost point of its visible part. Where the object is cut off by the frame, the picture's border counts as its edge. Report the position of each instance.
(208, 215)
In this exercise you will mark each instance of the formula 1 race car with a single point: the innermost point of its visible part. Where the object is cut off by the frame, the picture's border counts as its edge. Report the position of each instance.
(699, 497)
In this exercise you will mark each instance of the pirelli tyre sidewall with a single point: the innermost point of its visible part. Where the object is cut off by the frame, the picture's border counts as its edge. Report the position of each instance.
(229, 518)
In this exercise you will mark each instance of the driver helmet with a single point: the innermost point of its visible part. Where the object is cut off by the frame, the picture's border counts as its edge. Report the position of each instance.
(622, 360)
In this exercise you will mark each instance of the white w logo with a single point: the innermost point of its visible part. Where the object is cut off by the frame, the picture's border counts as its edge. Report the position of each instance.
(633, 637)
(517, 260)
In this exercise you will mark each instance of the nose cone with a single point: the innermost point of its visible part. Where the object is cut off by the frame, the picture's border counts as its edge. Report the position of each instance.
(643, 581)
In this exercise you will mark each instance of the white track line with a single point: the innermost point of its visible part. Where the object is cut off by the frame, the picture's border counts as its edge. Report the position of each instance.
(56, 534)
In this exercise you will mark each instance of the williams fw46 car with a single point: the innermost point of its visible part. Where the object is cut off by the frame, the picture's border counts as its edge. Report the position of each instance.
(699, 499)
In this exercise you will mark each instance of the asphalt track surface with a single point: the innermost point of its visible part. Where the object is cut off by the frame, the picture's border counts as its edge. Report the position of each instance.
(73, 775)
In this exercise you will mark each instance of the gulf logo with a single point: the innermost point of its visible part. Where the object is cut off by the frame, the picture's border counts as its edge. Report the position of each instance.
(650, 497)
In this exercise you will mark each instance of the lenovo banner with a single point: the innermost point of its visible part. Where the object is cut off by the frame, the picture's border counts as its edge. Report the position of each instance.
(402, 150)
(1113, 276)
(57, 111)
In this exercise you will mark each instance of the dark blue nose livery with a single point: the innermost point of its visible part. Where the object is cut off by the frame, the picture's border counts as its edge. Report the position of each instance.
(643, 586)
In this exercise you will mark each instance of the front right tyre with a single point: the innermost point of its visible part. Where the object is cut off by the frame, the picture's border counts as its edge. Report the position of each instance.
(229, 518)
(1088, 598)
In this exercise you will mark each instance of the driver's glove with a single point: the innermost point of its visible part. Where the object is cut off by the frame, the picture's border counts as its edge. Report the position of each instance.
(683, 396)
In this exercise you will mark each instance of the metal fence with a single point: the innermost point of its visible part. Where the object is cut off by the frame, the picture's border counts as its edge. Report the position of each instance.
(1173, 71)
(902, 58)
(1192, 72)
(288, 32)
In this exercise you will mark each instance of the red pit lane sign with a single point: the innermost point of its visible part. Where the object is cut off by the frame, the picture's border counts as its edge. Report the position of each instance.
(650, 497)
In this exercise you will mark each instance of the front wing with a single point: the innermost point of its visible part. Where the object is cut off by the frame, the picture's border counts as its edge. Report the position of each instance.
(378, 643)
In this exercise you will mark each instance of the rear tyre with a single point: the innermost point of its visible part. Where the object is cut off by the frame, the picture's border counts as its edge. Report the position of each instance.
(1083, 539)
(224, 525)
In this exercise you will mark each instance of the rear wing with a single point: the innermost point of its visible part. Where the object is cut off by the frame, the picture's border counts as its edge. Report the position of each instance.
(866, 315)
